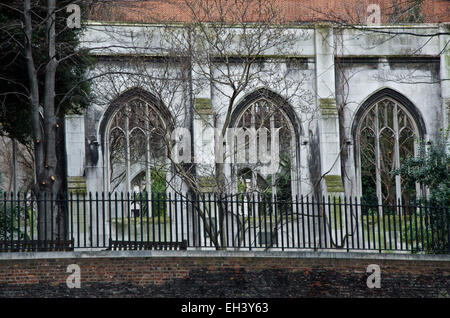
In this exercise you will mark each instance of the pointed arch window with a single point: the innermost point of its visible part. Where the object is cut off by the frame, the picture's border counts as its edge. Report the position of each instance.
(135, 146)
(386, 136)
(255, 177)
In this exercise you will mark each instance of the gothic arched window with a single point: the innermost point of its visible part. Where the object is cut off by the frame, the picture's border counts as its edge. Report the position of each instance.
(259, 174)
(135, 146)
(385, 137)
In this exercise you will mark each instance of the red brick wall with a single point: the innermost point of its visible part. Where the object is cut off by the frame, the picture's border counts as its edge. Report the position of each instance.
(223, 277)
(351, 11)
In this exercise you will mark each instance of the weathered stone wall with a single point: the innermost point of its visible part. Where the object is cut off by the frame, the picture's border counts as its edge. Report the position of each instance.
(215, 274)
(341, 68)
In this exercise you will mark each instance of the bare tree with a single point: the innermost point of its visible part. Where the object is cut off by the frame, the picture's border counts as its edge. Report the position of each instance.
(225, 52)
(233, 48)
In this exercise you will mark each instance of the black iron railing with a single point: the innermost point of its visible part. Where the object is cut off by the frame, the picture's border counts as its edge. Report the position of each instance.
(246, 222)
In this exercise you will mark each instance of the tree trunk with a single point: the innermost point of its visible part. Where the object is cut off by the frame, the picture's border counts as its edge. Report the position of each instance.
(48, 181)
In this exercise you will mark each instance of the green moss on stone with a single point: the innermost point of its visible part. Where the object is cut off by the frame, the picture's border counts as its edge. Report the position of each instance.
(76, 184)
(328, 106)
(203, 106)
(334, 183)
(207, 184)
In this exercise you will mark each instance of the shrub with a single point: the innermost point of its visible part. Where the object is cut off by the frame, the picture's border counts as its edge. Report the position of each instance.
(431, 169)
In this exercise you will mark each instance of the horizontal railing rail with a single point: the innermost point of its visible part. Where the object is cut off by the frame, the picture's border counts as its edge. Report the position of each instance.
(137, 221)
